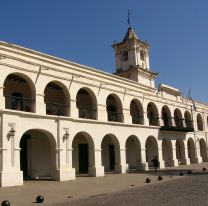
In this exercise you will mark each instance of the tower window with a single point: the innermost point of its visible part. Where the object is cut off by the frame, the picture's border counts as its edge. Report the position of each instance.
(125, 56)
(142, 55)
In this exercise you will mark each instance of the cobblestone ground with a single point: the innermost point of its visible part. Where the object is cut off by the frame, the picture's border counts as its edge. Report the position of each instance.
(190, 190)
(117, 189)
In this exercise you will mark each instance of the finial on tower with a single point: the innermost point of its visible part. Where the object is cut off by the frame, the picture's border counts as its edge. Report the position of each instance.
(129, 18)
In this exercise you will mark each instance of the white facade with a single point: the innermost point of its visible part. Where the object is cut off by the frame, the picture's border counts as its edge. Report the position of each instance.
(60, 119)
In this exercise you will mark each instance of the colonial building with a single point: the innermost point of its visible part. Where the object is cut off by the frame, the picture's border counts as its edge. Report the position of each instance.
(60, 119)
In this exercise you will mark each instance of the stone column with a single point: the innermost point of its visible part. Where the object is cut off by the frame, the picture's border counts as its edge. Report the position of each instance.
(197, 153)
(95, 168)
(127, 116)
(120, 165)
(174, 161)
(185, 160)
(102, 114)
(74, 109)
(40, 104)
(146, 120)
(2, 102)
(160, 158)
(143, 165)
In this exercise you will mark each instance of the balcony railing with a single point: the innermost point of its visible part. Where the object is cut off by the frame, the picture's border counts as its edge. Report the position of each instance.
(56, 109)
(114, 116)
(180, 125)
(200, 126)
(154, 121)
(136, 119)
(19, 103)
(87, 113)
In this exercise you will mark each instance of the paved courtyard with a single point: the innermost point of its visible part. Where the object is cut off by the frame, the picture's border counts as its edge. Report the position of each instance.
(117, 189)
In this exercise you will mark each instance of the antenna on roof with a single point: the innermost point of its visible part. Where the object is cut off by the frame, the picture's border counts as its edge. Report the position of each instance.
(129, 18)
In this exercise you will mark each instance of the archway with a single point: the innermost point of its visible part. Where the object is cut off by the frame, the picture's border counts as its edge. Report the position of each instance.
(151, 149)
(152, 114)
(133, 152)
(56, 99)
(180, 152)
(110, 153)
(87, 104)
(203, 151)
(19, 92)
(136, 112)
(167, 152)
(178, 118)
(199, 122)
(38, 155)
(82, 153)
(188, 120)
(114, 108)
(166, 116)
(191, 150)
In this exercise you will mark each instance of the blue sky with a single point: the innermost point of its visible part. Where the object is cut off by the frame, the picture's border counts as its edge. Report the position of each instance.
(84, 30)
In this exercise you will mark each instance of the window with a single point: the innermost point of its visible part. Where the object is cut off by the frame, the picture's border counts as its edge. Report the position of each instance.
(125, 56)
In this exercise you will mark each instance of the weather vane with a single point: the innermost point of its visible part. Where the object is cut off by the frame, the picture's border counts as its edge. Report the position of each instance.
(129, 18)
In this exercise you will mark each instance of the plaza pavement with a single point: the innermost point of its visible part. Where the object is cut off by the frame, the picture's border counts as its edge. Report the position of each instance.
(113, 189)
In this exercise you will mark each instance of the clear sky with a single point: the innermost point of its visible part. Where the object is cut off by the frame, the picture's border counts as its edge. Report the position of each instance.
(84, 30)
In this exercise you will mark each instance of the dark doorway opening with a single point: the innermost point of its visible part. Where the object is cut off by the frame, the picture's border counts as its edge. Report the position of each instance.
(83, 158)
(112, 156)
(24, 155)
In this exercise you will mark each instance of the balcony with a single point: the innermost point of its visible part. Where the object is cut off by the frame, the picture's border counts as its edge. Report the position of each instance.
(19, 103)
(136, 119)
(180, 125)
(154, 121)
(87, 113)
(56, 109)
(114, 116)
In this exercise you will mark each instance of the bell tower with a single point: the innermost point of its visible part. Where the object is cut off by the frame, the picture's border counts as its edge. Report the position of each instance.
(132, 59)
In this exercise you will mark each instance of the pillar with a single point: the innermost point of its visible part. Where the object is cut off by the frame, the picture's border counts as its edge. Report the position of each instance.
(2, 102)
(95, 168)
(102, 114)
(127, 116)
(74, 109)
(143, 165)
(121, 166)
(40, 104)
(160, 158)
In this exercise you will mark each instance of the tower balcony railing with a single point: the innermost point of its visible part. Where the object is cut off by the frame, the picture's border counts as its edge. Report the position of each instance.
(19, 103)
(115, 116)
(137, 119)
(180, 125)
(87, 113)
(56, 109)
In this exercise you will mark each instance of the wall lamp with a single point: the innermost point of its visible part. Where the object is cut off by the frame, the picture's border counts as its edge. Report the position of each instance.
(66, 135)
(11, 133)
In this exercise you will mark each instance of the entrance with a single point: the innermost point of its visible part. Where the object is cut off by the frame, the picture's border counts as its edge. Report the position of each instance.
(24, 155)
(112, 156)
(83, 158)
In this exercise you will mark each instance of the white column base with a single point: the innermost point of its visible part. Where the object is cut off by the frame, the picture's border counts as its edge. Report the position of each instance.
(121, 168)
(161, 164)
(96, 171)
(185, 161)
(173, 163)
(64, 174)
(11, 178)
(142, 167)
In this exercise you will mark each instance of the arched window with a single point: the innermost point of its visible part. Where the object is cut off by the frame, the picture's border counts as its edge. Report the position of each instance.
(136, 112)
(166, 117)
(178, 118)
(125, 56)
(152, 114)
(199, 122)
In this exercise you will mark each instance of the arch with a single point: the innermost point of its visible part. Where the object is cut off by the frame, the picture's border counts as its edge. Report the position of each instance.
(57, 99)
(19, 92)
(38, 162)
(136, 111)
(152, 114)
(191, 150)
(203, 151)
(110, 152)
(167, 152)
(166, 116)
(83, 153)
(178, 118)
(199, 122)
(114, 108)
(151, 149)
(180, 152)
(86, 103)
(188, 120)
(133, 152)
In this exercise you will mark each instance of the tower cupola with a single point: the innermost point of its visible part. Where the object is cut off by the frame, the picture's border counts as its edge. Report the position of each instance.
(132, 59)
